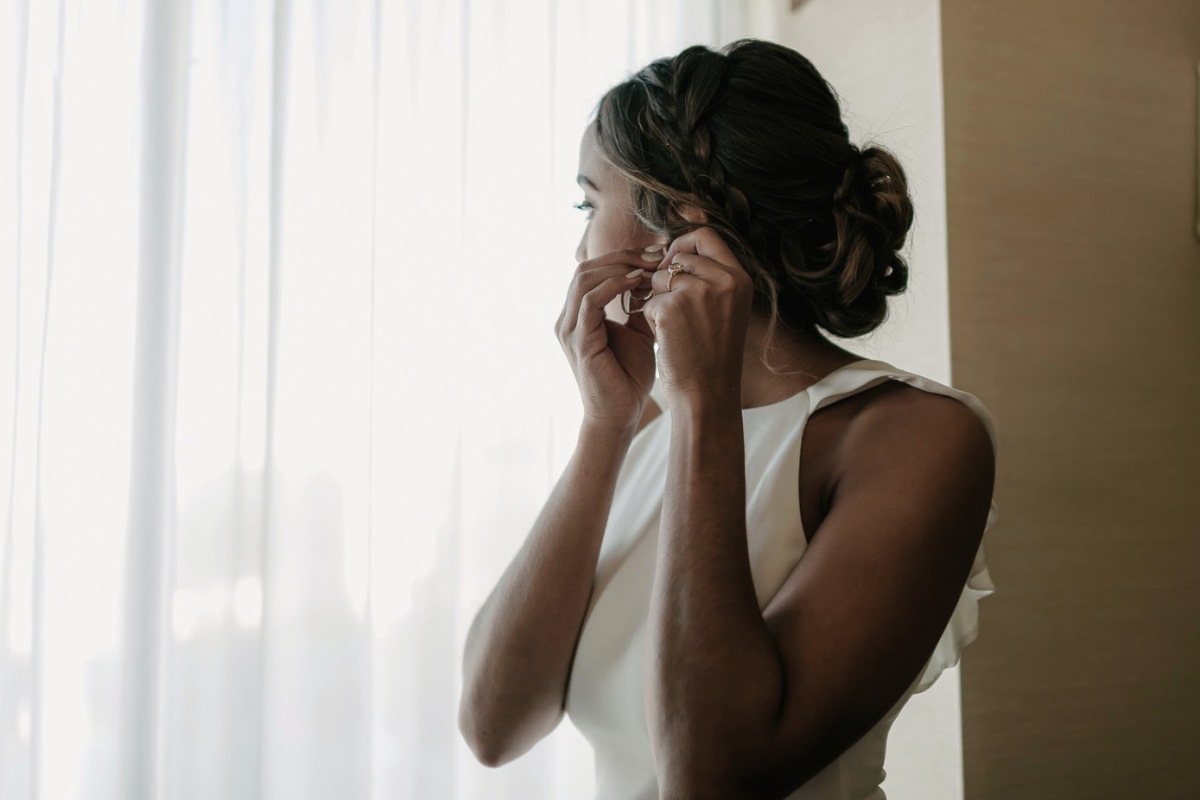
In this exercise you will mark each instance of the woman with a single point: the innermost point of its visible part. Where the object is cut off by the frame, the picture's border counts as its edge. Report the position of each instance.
(721, 617)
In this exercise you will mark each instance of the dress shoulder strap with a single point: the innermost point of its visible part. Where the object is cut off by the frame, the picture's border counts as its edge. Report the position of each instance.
(859, 376)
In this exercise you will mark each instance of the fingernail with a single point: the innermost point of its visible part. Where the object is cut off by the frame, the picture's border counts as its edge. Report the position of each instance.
(654, 248)
(637, 273)
(655, 255)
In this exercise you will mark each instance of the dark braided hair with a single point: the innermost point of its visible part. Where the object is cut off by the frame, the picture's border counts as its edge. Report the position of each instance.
(752, 135)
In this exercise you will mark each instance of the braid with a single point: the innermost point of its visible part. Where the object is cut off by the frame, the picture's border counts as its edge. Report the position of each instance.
(677, 99)
(698, 85)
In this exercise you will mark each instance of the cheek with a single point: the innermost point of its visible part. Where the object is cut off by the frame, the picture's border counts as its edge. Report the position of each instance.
(610, 230)
(615, 233)
(596, 240)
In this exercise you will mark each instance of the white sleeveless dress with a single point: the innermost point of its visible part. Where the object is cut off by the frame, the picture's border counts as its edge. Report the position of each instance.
(605, 700)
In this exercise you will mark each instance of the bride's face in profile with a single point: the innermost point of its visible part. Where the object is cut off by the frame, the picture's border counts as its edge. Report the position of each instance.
(608, 203)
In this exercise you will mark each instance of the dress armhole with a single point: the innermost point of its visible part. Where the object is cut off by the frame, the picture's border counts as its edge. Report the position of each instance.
(964, 622)
(658, 395)
(653, 409)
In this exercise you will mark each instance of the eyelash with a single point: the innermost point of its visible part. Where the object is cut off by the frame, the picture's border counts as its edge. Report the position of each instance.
(586, 207)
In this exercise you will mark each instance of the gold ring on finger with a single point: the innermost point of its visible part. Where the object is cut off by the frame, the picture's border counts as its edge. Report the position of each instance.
(672, 271)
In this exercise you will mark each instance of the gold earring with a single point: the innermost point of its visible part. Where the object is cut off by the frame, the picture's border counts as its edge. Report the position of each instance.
(629, 312)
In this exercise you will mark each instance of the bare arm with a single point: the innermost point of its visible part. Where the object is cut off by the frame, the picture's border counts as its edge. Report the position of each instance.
(519, 650)
(751, 704)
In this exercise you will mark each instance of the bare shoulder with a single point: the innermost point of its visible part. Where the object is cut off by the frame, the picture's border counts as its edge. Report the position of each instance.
(895, 408)
(889, 427)
(897, 428)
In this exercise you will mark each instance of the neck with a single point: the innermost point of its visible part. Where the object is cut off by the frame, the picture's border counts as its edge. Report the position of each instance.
(799, 361)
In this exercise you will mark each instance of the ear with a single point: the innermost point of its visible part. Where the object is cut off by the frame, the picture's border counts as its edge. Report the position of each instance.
(692, 213)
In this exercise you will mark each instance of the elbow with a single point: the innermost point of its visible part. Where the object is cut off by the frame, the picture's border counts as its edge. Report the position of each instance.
(487, 748)
(486, 753)
(496, 738)
(500, 721)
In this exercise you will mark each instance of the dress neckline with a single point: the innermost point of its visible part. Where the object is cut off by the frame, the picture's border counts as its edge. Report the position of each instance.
(808, 389)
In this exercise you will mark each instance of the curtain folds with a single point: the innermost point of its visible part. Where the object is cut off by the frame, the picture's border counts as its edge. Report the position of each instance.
(279, 386)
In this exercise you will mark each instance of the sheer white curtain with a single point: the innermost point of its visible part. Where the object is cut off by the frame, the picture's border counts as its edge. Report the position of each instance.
(279, 388)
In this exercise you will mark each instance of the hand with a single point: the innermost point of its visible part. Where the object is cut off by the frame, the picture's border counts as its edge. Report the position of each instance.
(700, 323)
(613, 362)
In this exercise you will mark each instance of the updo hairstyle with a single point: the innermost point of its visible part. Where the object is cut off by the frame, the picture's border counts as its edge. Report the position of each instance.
(753, 136)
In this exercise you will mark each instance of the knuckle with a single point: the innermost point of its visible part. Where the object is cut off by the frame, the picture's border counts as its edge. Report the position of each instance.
(588, 301)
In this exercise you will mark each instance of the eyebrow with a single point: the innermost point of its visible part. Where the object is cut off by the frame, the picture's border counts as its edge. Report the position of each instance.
(585, 181)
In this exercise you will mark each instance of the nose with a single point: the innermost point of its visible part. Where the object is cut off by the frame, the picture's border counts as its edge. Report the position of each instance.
(581, 250)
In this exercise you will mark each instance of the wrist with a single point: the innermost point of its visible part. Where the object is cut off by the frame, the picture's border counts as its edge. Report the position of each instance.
(711, 403)
(605, 434)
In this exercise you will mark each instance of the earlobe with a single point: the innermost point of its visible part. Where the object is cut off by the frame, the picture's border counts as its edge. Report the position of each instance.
(691, 213)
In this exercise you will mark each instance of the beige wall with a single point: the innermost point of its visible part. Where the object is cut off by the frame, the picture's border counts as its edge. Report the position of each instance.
(1075, 315)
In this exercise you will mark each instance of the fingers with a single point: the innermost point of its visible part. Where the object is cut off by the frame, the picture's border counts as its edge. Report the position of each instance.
(700, 255)
(591, 274)
(703, 242)
(631, 256)
(671, 277)
(591, 306)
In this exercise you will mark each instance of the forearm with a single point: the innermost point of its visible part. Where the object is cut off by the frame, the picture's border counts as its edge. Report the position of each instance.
(716, 679)
(519, 649)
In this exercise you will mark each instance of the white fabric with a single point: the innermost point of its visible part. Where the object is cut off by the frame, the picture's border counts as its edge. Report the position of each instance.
(606, 695)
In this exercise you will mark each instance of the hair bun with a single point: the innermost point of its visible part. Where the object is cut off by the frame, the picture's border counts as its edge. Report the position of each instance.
(872, 214)
(874, 191)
